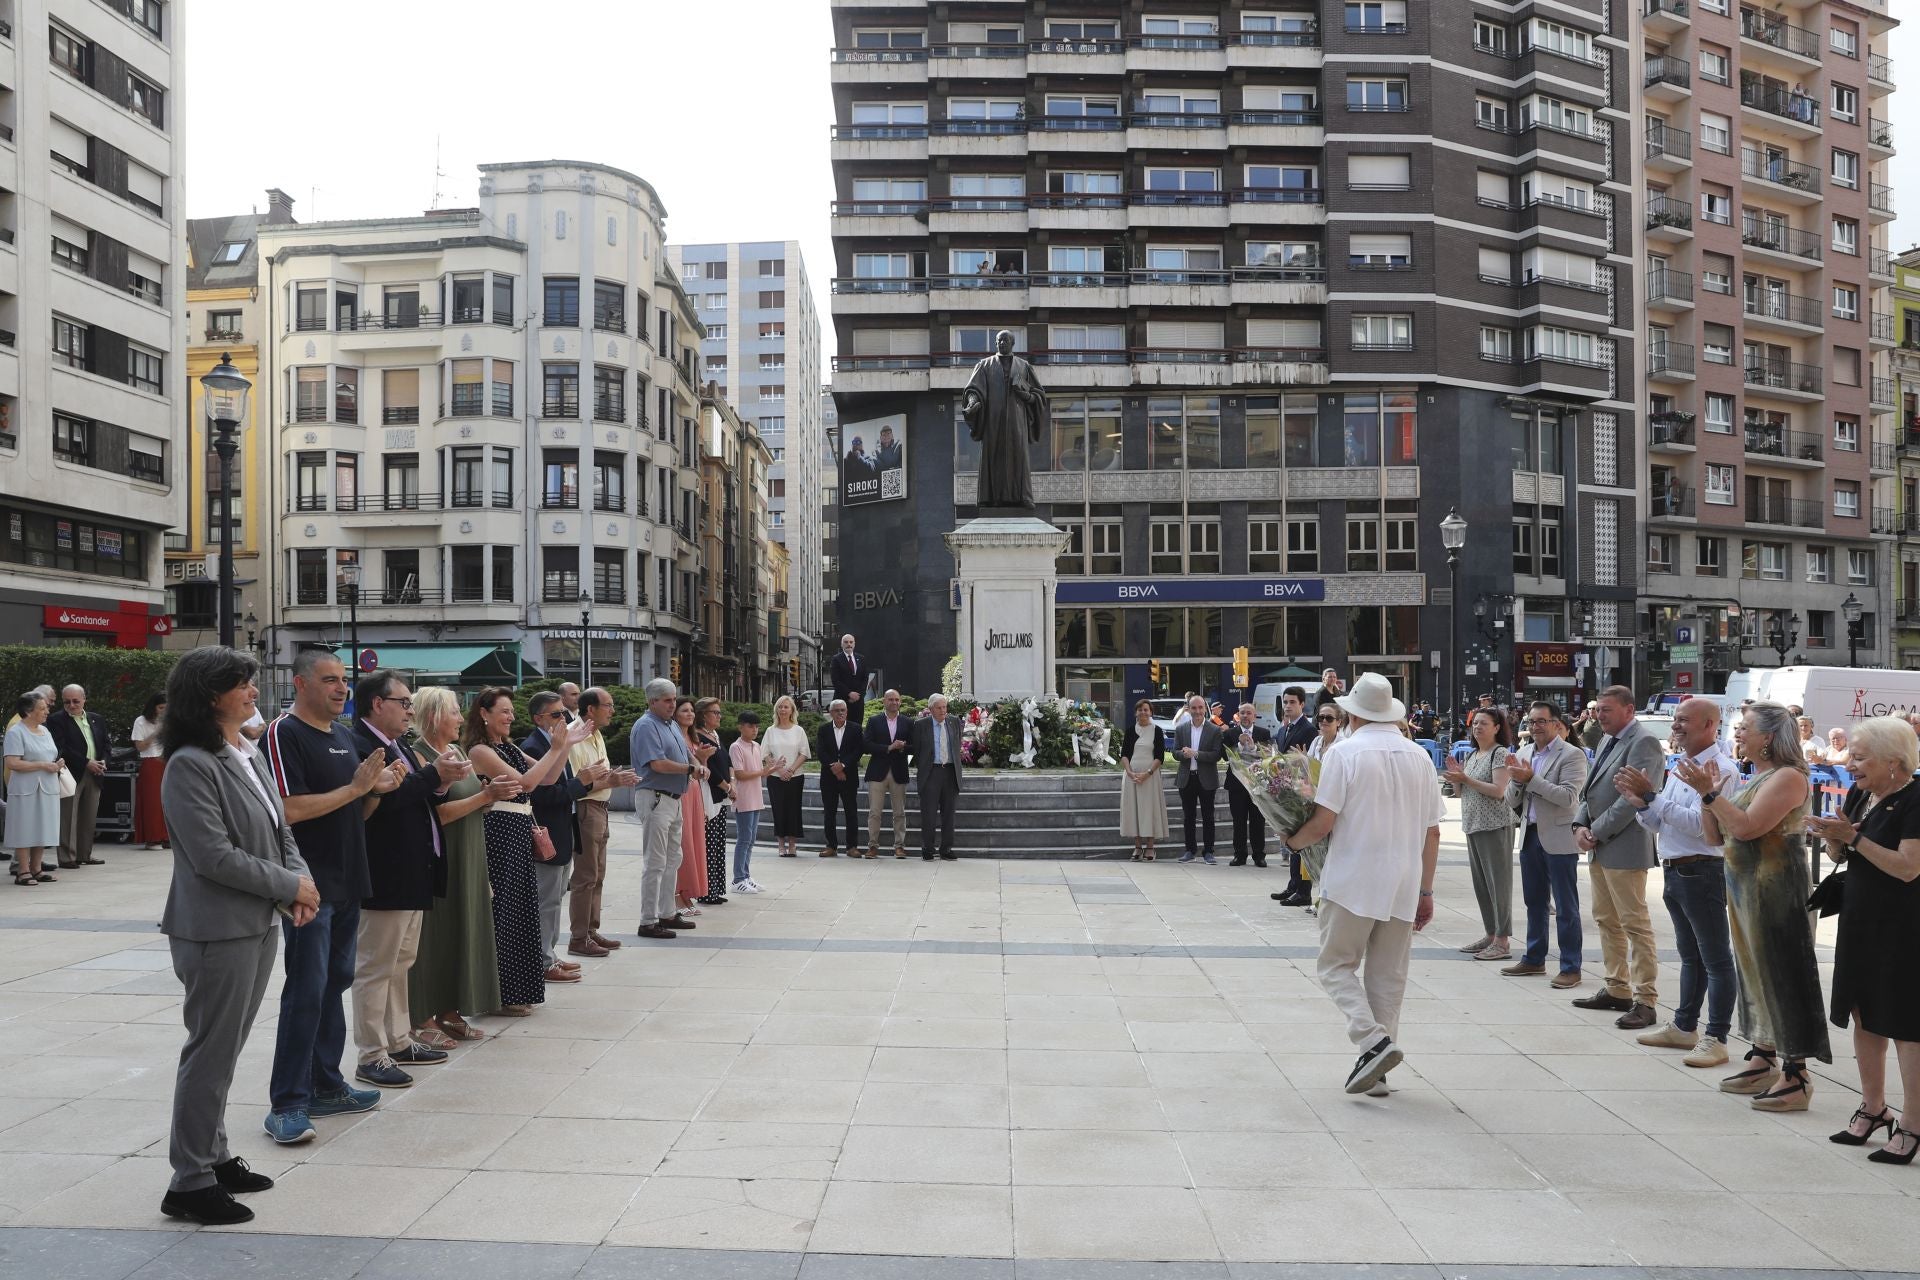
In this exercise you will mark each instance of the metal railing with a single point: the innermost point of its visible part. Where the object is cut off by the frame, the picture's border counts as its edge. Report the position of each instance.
(1886, 520)
(967, 127)
(1880, 326)
(876, 132)
(1776, 168)
(1769, 29)
(1665, 285)
(1176, 120)
(1791, 308)
(1880, 198)
(1780, 238)
(1172, 41)
(1661, 69)
(1277, 195)
(1665, 211)
(1665, 429)
(1769, 440)
(1192, 198)
(1799, 513)
(1078, 200)
(1670, 357)
(879, 55)
(978, 51)
(1784, 103)
(1880, 391)
(1078, 124)
(1880, 457)
(1678, 8)
(399, 415)
(1879, 132)
(878, 208)
(1108, 47)
(1312, 117)
(1665, 140)
(1880, 68)
(1278, 39)
(1786, 375)
(990, 280)
(1672, 501)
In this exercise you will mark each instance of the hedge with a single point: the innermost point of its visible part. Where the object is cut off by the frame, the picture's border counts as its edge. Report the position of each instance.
(118, 681)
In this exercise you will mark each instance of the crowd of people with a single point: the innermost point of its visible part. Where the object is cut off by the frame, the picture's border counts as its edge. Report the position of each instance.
(54, 760)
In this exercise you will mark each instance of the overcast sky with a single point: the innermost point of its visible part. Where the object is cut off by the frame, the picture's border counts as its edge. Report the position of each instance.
(723, 105)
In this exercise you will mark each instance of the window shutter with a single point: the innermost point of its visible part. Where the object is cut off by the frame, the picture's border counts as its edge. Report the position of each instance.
(67, 140)
(1283, 333)
(1358, 246)
(1495, 186)
(1198, 335)
(1380, 171)
(1496, 262)
(907, 342)
(141, 265)
(1261, 97)
(145, 183)
(71, 232)
(869, 342)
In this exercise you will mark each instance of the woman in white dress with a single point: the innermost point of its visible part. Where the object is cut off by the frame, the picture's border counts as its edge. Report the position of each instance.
(1143, 801)
(33, 790)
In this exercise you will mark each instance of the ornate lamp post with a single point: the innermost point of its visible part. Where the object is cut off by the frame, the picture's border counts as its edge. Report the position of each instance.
(1852, 609)
(586, 643)
(350, 581)
(224, 394)
(1453, 536)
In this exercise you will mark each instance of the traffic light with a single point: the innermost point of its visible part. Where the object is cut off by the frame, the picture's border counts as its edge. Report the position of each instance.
(673, 669)
(1153, 672)
(793, 671)
(1240, 667)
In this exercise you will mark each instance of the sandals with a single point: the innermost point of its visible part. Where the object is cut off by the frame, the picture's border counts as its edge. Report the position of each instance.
(23, 879)
(1792, 1092)
(458, 1029)
(514, 1011)
(1888, 1155)
(1753, 1080)
(1848, 1138)
(1474, 948)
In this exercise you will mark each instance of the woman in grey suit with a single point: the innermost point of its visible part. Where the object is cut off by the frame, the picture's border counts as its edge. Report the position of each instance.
(33, 790)
(235, 864)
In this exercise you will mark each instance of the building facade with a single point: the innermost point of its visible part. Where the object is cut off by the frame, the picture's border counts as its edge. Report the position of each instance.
(1904, 365)
(1298, 283)
(487, 416)
(92, 337)
(733, 659)
(762, 349)
(830, 521)
(1770, 394)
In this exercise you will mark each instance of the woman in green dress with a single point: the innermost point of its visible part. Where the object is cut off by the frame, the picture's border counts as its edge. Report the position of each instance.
(1762, 824)
(456, 968)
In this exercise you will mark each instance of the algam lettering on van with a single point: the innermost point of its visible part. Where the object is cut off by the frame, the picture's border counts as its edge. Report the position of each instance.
(1862, 709)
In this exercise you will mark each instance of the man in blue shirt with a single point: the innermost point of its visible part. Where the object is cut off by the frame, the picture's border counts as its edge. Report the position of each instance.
(658, 750)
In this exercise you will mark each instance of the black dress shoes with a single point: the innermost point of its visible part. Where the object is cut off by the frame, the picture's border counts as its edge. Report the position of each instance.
(210, 1206)
(1606, 1000)
(238, 1179)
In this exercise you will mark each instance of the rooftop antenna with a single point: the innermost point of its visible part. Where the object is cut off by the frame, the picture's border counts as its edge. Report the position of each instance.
(438, 173)
(313, 200)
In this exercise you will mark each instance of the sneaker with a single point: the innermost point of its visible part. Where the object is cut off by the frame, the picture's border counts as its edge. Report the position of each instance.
(741, 886)
(1710, 1052)
(288, 1127)
(1186, 857)
(419, 1055)
(753, 886)
(382, 1073)
(349, 1101)
(1380, 1089)
(1372, 1066)
(1670, 1037)
(1208, 859)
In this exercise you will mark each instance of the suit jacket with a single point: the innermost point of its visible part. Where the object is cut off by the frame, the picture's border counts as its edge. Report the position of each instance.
(402, 867)
(553, 803)
(234, 855)
(1624, 843)
(849, 683)
(1554, 790)
(1230, 741)
(848, 753)
(1299, 735)
(72, 747)
(923, 749)
(1206, 762)
(880, 761)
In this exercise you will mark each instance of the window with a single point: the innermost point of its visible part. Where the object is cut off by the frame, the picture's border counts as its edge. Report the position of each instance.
(1380, 252)
(223, 325)
(1550, 343)
(1846, 103)
(146, 13)
(775, 299)
(1846, 302)
(1554, 38)
(346, 482)
(561, 468)
(1846, 169)
(609, 482)
(1859, 567)
(561, 308)
(1846, 366)
(1377, 15)
(1710, 556)
(561, 391)
(1168, 181)
(1489, 35)
(1714, 65)
(1552, 113)
(609, 393)
(1716, 206)
(1846, 236)
(1846, 499)
(147, 100)
(1363, 544)
(1290, 255)
(69, 343)
(1370, 94)
(609, 307)
(1716, 273)
(1377, 426)
(70, 254)
(146, 369)
(1163, 548)
(1660, 548)
(1281, 430)
(1303, 544)
(1716, 344)
(1716, 133)
(1496, 343)
(1492, 113)
(346, 395)
(1845, 40)
(1846, 434)
(1763, 560)
(1719, 408)
(503, 302)
(1185, 432)
(1270, 177)
(1203, 546)
(1379, 173)
(1720, 484)
(1382, 332)
(71, 437)
(69, 52)
(1266, 552)
(1819, 564)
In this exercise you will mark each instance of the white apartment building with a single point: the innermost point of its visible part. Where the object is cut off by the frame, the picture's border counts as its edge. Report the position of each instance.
(762, 349)
(486, 414)
(92, 335)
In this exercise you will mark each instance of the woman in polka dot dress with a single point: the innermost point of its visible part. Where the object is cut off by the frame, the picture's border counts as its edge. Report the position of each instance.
(488, 739)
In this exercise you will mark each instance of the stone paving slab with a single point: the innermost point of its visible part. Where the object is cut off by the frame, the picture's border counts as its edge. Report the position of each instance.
(1009, 1071)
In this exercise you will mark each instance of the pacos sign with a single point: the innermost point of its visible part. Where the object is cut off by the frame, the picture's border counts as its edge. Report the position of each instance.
(1544, 659)
(1192, 591)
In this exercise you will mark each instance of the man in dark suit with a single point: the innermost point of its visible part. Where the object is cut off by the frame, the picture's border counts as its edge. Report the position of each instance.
(407, 868)
(887, 456)
(849, 676)
(936, 755)
(888, 739)
(81, 738)
(1296, 726)
(1244, 737)
(553, 809)
(838, 747)
(1197, 744)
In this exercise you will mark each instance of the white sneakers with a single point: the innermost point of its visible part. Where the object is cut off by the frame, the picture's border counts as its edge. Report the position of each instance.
(745, 886)
(1710, 1052)
(1669, 1037)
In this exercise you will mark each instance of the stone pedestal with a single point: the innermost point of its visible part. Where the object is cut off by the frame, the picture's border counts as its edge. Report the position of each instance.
(1005, 568)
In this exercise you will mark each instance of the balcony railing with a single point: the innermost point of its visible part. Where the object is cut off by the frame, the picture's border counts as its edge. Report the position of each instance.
(1189, 198)
(1278, 39)
(1080, 280)
(1786, 375)
(992, 280)
(879, 55)
(1171, 41)
(1278, 355)
(1078, 200)
(1158, 275)
(1312, 117)
(1880, 391)
(1767, 440)
(399, 414)
(1784, 103)
(878, 208)
(978, 204)
(1880, 198)
(1880, 262)
(1880, 326)
(877, 132)
(1886, 520)
(1671, 500)
(1775, 168)
(1664, 70)
(1669, 286)
(1139, 119)
(1780, 239)
(374, 320)
(978, 51)
(1277, 195)
(1669, 429)
(1880, 68)
(1299, 272)
(1879, 132)
(1792, 308)
(879, 284)
(1881, 457)
(1678, 8)
(1670, 357)
(1108, 47)
(968, 127)
(1768, 29)
(1665, 211)
(1800, 513)
(1665, 140)
(1078, 124)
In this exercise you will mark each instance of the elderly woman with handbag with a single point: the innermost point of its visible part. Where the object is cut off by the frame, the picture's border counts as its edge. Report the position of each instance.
(36, 780)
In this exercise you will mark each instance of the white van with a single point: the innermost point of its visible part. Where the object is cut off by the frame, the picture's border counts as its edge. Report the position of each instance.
(1835, 697)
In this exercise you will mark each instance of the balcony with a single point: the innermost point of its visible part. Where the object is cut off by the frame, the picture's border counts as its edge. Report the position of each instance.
(1780, 239)
(1669, 288)
(1795, 181)
(1786, 377)
(1670, 431)
(1880, 394)
(1880, 70)
(1885, 520)
(1768, 440)
(1665, 17)
(1668, 147)
(1670, 360)
(1880, 202)
(1879, 134)
(1797, 513)
(1907, 440)
(1797, 110)
(1669, 217)
(1769, 30)
(1670, 502)
(1784, 310)
(1666, 77)
(1880, 328)
(1880, 457)
(394, 415)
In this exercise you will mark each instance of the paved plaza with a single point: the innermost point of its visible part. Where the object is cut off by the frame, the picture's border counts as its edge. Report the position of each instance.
(972, 1069)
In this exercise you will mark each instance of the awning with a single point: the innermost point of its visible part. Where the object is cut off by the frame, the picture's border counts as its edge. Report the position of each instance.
(1551, 682)
(459, 664)
(1292, 673)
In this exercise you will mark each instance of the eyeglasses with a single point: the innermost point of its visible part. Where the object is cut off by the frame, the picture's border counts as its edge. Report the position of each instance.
(1328, 719)
(1539, 720)
(404, 702)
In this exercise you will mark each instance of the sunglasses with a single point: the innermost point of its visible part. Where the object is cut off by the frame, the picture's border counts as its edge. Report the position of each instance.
(1328, 719)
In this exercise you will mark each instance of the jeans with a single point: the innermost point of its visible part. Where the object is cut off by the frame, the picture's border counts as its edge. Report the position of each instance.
(1550, 878)
(312, 1032)
(1696, 894)
(748, 825)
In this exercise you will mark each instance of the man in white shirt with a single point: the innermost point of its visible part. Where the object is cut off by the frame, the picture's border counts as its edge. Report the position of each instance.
(1380, 799)
(1693, 871)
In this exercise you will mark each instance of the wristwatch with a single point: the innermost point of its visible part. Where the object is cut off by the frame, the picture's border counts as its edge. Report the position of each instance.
(1708, 797)
(1648, 797)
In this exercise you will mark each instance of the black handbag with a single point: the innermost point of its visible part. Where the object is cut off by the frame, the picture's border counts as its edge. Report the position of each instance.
(1828, 896)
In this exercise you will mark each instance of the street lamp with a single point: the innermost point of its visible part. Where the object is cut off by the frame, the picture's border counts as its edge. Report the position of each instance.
(252, 624)
(350, 579)
(1851, 608)
(224, 394)
(1453, 536)
(586, 644)
(1783, 633)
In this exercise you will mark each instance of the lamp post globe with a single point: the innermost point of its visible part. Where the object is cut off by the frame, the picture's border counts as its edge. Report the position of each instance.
(225, 393)
(1453, 536)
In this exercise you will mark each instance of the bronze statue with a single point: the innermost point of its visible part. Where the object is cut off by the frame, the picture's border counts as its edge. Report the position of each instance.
(1005, 409)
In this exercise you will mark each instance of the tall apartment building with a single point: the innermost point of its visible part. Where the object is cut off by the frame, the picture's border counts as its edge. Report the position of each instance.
(830, 521)
(1904, 362)
(1770, 476)
(733, 657)
(92, 345)
(762, 348)
(1299, 279)
(486, 414)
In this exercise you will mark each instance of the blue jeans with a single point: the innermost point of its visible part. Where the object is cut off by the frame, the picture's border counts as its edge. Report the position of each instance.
(312, 1034)
(1550, 878)
(748, 825)
(1696, 894)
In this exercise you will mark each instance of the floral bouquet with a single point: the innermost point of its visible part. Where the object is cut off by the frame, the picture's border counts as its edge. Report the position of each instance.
(1091, 735)
(1281, 785)
(973, 737)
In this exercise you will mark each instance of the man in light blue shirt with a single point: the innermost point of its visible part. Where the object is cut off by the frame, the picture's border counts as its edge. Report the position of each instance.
(1694, 872)
(662, 765)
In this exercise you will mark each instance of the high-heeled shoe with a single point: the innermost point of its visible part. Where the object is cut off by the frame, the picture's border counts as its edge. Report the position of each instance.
(1887, 1155)
(1754, 1079)
(1848, 1138)
(1793, 1091)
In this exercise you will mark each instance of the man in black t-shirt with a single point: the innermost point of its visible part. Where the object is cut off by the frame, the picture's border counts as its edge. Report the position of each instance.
(318, 768)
